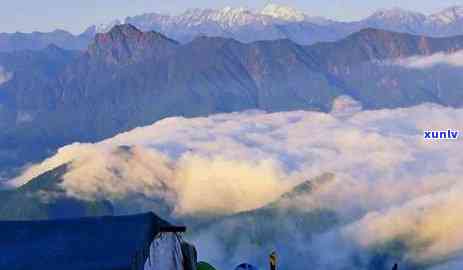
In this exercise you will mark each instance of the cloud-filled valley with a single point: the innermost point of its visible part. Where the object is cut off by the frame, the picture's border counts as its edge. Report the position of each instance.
(454, 59)
(390, 184)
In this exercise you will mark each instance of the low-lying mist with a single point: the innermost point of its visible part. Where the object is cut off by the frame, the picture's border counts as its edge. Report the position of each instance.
(396, 196)
(454, 59)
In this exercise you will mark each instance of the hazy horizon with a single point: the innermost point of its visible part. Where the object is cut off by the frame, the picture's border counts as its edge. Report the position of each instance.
(75, 17)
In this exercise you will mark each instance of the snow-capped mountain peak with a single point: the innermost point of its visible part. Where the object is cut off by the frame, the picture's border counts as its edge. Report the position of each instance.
(449, 15)
(397, 14)
(278, 21)
(230, 10)
(226, 17)
(283, 12)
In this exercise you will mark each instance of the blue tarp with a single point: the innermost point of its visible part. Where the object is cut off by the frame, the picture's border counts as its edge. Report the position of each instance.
(104, 243)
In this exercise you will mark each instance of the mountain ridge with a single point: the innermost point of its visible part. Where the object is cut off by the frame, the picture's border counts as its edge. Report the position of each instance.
(126, 44)
(246, 25)
(129, 78)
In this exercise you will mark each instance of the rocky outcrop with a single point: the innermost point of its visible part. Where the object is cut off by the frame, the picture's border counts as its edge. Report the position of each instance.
(125, 44)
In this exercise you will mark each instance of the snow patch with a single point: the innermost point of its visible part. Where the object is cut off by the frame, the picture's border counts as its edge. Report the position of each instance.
(448, 16)
(283, 12)
(5, 76)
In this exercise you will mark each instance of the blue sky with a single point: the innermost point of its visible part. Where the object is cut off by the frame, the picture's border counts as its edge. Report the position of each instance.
(76, 15)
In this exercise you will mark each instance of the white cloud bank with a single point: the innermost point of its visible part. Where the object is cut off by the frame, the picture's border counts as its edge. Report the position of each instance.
(390, 182)
(454, 59)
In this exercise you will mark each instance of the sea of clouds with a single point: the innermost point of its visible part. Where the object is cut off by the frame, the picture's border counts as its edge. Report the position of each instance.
(389, 182)
(454, 59)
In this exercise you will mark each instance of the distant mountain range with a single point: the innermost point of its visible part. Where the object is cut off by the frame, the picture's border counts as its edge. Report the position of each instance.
(10, 42)
(129, 78)
(273, 22)
(281, 22)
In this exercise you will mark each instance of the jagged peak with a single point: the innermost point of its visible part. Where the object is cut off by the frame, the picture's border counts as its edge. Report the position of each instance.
(229, 9)
(126, 44)
(212, 13)
(455, 10)
(448, 15)
(283, 12)
(130, 31)
(103, 28)
(125, 29)
(396, 13)
(226, 17)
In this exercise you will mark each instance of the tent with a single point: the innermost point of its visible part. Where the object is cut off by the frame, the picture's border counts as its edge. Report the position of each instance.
(97, 243)
(204, 266)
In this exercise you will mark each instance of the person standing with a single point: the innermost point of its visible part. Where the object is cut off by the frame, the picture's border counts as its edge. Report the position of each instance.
(273, 260)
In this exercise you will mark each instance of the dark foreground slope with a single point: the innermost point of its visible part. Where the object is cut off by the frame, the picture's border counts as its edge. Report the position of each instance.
(128, 78)
(43, 198)
(87, 243)
(290, 225)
